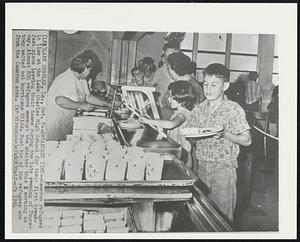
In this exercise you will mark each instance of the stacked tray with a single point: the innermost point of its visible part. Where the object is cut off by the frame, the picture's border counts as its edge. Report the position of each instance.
(101, 220)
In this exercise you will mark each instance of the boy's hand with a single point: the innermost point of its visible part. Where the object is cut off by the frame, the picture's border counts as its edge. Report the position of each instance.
(143, 120)
(220, 134)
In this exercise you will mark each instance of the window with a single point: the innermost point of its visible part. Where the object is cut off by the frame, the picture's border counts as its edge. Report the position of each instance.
(188, 53)
(211, 49)
(212, 42)
(275, 65)
(243, 63)
(275, 76)
(187, 43)
(204, 59)
(244, 43)
(276, 46)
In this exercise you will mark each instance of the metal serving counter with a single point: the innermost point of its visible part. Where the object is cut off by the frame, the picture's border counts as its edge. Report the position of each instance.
(149, 201)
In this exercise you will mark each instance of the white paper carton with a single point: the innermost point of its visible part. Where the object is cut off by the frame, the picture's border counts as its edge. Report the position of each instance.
(49, 229)
(94, 167)
(51, 221)
(118, 230)
(115, 169)
(72, 213)
(53, 167)
(93, 225)
(154, 166)
(70, 229)
(135, 169)
(73, 166)
(72, 137)
(98, 147)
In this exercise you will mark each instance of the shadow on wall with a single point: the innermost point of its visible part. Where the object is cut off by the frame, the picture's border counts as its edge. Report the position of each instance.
(69, 46)
(151, 45)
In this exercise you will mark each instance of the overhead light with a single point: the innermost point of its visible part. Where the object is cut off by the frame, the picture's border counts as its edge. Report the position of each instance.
(70, 31)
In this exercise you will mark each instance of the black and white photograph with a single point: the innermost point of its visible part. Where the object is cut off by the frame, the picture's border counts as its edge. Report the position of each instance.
(145, 131)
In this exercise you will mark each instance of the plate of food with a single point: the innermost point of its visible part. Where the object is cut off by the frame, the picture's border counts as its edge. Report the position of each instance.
(200, 132)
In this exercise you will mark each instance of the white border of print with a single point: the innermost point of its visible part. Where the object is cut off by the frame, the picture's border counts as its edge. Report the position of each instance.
(279, 19)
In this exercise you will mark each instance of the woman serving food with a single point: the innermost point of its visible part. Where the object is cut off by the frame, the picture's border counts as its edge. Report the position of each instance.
(68, 93)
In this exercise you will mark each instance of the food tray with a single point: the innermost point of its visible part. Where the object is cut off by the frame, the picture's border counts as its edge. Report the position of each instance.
(86, 219)
(200, 132)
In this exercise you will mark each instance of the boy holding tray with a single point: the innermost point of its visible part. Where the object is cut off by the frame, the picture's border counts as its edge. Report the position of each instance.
(216, 156)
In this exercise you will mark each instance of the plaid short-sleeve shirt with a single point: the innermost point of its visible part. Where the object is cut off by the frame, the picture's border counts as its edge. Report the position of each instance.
(232, 117)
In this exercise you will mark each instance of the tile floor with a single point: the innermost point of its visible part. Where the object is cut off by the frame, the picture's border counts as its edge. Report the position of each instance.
(262, 213)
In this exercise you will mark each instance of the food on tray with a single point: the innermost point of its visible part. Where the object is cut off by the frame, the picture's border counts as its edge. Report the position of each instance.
(200, 131)
(206, 130)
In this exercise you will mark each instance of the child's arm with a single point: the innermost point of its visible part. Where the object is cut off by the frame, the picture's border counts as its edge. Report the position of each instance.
(165, 124)
(243, 138)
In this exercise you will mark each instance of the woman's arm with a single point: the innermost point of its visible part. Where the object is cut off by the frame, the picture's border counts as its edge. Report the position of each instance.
(166, 124)
(68, 103)
(96, 101)
(243, 138)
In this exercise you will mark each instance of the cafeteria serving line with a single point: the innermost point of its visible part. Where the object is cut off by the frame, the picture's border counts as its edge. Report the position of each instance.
(161, 132)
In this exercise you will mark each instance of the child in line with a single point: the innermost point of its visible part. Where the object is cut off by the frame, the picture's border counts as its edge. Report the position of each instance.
(137, 76)
(217, 156)
(182, 100)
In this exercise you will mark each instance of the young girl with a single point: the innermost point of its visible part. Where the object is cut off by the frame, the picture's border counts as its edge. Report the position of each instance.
(182, 100)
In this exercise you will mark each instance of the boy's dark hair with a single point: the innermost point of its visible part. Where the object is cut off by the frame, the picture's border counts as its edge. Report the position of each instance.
(136, 68)
(181, 64)
(171, 45)
(253, 75)
(217, 70)
(173, 40)
(182, 92)
(147, 61)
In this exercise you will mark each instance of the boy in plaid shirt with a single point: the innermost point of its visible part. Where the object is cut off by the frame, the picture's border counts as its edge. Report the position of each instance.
(216, 157)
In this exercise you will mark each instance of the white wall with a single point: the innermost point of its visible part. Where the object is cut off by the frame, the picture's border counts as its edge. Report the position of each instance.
(151, 45)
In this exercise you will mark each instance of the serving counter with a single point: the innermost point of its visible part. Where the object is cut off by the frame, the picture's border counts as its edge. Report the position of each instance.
(174, 203)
